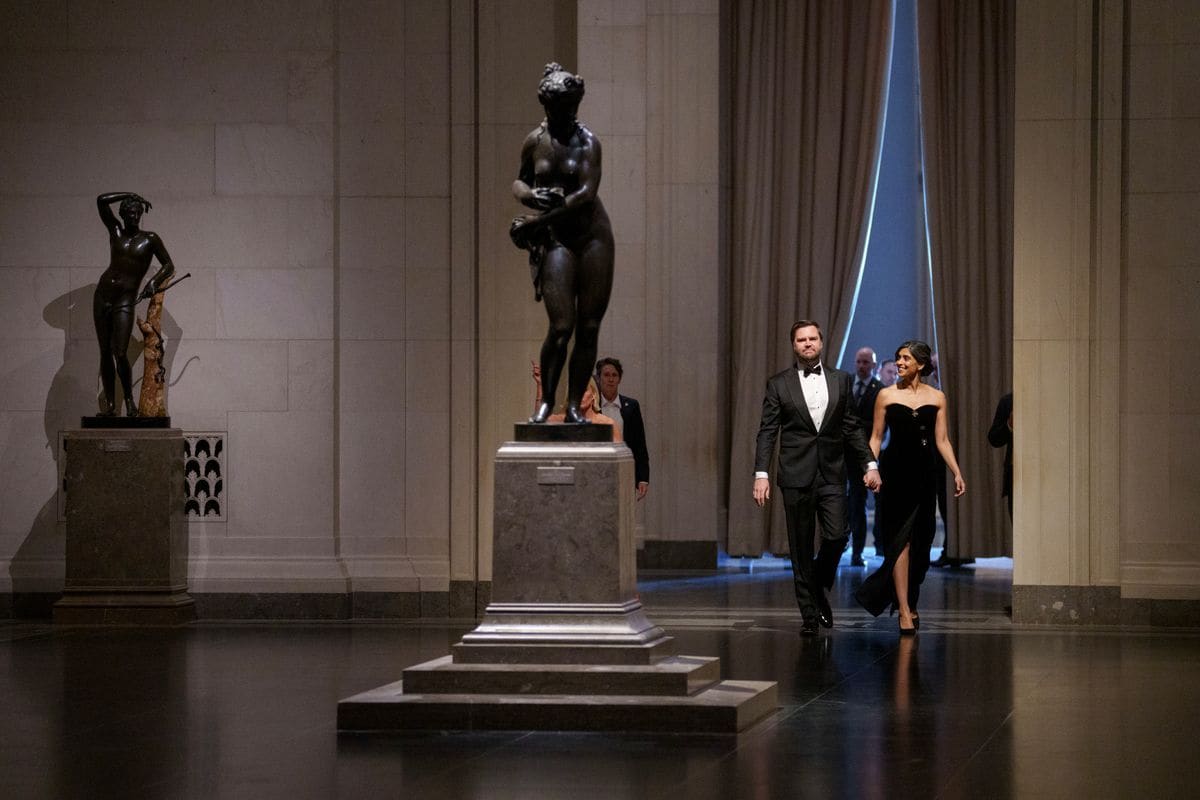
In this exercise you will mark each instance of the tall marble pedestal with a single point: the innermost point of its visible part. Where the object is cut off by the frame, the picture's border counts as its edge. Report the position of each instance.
(565, 643)
(127, 541)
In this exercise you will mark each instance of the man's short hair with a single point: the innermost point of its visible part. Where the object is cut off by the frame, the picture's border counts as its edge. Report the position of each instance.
(806, 323)
(610, 362)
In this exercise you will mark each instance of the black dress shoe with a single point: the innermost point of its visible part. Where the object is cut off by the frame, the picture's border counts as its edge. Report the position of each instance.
(824, 612)
(856, 561)
(809, 628)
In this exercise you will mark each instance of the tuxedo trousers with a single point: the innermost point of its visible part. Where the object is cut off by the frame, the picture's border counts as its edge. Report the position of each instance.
(805, 509)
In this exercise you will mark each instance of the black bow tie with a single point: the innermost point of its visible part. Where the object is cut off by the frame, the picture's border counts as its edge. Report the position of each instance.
(814, 370)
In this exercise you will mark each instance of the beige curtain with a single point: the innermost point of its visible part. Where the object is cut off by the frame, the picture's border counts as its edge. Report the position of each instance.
(808, 96)
(965, 52)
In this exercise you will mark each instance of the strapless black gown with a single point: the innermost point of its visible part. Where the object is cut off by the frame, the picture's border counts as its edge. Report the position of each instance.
(907, 503)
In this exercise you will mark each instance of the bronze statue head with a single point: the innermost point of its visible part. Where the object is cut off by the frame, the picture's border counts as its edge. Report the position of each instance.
(559, 88)
(131, 211)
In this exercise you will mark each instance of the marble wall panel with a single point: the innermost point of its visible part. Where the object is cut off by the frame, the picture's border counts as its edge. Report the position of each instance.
(427, 240)
(427, 482)
(372, 304)
(32, 305)
(371, 158)
(310, 87)
(1045, 60)
(1185, 302)
(624, 187)
(1163, 22)
(372, 87)
(372, 477)
(216, 375)
(427, 377)
(1043, 211)
(54, 232)
(426, 85)
(310, 375)
(1145, 297)
(1184, 485)
(1163, 230)
(428, 305)
(218, 25)
(28, 368)
(280, 474)
(34, 26)
(310, 232)
(1147, 381)
(373, 233)
(29, 473)
(372, 377)
(274, 159)
(274, 304)
(230, 232)
(70, 159)
(1146, 477)
(427, 27)
(371, 26)
(427, 160)
(1163, 81)
(1163, 155)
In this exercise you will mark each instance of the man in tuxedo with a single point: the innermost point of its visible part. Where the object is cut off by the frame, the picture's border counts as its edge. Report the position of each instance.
(808, 407)
(627, 414)
(863, 392)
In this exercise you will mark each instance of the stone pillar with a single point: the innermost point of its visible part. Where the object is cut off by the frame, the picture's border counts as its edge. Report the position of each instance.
(127, 540)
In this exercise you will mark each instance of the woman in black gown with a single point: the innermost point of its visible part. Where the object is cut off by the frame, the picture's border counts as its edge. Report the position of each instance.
(915, 414)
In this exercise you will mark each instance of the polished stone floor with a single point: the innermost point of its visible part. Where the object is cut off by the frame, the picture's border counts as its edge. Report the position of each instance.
(972, 707)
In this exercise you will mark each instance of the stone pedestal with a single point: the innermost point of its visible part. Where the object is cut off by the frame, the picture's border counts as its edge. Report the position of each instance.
(127, 543)
(565, 643)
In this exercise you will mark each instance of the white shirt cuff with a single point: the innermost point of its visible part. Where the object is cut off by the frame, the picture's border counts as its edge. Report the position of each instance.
(758, 475)
(872, 465)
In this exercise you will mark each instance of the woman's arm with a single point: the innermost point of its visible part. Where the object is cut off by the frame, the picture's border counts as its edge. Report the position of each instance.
(880, 420)
(944, 447)
(165, 271)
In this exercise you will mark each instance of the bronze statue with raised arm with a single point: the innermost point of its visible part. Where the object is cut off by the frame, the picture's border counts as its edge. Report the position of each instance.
(131, 253)
(570, 240)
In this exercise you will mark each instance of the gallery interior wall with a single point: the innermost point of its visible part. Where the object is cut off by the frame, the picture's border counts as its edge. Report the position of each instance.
(358, 328)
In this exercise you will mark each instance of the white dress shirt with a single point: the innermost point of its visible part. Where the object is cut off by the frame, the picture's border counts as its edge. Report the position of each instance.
(612, 410)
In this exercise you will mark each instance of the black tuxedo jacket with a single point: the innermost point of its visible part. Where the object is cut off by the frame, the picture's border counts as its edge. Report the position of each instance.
(634, 433)
(808, 457)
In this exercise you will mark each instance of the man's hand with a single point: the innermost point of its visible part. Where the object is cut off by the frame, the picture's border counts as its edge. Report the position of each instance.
(872, 480)
(642, 488)
(762, 491)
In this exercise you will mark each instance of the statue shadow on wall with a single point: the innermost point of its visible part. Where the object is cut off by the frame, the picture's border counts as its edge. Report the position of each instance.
(74, 393)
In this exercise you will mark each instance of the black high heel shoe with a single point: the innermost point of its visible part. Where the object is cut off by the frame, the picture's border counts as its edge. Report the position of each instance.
(907, 631)
(916, 621)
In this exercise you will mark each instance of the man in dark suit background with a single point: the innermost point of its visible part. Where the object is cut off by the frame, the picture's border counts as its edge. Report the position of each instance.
(808, 408)
(1001, 435)
(863, 390)
(626, 412)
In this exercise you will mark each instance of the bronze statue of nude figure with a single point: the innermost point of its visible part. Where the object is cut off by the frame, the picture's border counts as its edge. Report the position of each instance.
(570, 240)
(131, 252)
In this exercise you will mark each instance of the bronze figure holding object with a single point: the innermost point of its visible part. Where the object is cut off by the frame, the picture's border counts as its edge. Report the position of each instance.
(131, 252)
(570, 240)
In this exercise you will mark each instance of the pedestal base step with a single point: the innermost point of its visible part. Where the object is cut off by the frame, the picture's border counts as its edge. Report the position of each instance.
(677, 676)
(124, 608)
(726, 707)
